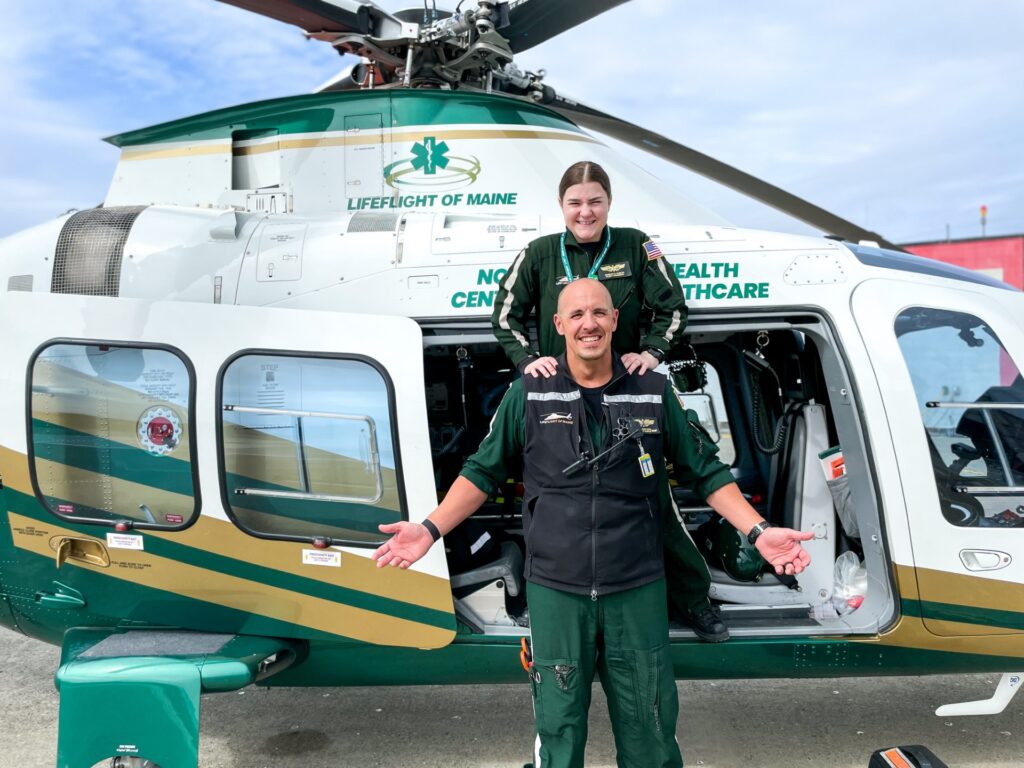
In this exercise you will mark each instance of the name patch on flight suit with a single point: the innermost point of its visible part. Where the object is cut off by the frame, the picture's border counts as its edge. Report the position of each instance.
(648, 426)
(612, 271)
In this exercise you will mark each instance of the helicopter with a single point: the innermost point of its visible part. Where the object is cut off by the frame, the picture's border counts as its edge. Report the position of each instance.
(274, 335)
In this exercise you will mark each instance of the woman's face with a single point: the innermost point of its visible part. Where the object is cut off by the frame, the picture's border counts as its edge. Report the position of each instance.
(585, 209)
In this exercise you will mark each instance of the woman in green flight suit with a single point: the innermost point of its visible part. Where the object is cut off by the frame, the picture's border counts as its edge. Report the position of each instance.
(636, 274)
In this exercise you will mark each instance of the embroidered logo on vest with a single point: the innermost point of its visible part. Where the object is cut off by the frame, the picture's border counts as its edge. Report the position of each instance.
(556, 418)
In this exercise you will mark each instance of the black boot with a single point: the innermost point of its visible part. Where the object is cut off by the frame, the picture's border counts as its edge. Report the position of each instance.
(707, 624)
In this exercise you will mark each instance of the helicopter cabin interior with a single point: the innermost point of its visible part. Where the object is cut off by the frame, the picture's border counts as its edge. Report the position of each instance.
(773, 394)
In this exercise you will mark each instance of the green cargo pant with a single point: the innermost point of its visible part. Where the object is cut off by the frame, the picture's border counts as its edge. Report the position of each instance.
(624, 638)
(686, 572)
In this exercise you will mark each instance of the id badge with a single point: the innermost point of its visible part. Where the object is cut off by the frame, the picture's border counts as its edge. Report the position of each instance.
(646, 465)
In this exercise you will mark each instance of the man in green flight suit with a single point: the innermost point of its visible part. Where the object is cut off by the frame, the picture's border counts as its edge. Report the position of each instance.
(594, 440)
(631, 266)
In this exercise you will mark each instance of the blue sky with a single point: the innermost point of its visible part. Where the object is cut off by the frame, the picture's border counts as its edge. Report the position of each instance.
(902, 116)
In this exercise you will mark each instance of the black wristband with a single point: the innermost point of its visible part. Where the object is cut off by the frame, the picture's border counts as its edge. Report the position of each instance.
(757, 530)
(432, 530)
(656, 353)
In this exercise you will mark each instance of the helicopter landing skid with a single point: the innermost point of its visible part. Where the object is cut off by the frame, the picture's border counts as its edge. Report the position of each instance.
(1008, 686)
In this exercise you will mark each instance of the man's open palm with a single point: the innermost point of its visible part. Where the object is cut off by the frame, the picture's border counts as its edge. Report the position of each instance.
(409, 543)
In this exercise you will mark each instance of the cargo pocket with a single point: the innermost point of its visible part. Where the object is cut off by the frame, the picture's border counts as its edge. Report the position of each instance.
(643, 691)
(557, 695)
(624, 698)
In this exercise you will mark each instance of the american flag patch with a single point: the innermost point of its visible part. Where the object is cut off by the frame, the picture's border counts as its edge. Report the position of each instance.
(653, 251)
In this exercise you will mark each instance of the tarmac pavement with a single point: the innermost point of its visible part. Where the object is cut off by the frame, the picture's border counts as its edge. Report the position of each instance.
(724, 724)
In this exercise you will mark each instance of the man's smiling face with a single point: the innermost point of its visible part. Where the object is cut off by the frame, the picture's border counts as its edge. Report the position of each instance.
(587, 319)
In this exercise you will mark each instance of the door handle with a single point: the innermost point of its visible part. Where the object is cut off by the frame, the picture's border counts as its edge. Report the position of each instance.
(62, 596)
(984, 559)
(88, 551)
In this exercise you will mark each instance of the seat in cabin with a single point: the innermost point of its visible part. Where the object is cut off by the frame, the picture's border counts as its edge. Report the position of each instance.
(997, 436)
(507, 567)
(799, 498)
(492, 592)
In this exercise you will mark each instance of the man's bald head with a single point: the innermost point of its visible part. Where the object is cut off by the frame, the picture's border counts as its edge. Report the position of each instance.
(586, 287)
(586, 318)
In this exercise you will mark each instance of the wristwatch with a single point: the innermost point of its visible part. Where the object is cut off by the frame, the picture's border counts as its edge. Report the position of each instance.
(757, 530)
(654, 352)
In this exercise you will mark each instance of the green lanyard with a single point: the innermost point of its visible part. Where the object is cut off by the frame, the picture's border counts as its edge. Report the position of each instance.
(597, 264)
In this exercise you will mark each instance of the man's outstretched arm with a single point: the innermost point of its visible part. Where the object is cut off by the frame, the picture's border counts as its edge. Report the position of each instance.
(780, 547)
(411, 541)
(485, 469)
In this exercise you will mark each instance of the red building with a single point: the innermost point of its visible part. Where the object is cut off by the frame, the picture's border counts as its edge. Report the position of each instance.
(998, 257)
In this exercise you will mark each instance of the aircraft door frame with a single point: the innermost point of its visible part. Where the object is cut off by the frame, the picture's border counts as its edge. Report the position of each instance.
(287, 586)
(956, 598)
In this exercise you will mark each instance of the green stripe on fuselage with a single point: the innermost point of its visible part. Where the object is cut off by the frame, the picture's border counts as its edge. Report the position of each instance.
(265, 575)
(202, 558)
(970, 614)
(963, 614)
(322, 112)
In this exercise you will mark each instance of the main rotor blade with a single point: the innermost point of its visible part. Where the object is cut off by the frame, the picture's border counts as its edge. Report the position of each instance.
(531, 22)
(318, 15)
(724, 174)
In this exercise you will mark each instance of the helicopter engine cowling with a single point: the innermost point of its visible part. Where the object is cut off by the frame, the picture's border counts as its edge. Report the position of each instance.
(26, 257)
(151, 252)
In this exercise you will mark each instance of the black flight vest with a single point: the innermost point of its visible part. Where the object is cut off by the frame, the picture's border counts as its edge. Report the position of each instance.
(597, 530)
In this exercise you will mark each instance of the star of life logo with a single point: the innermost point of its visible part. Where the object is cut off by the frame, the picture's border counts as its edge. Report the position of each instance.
(431, 165)
(429, 155)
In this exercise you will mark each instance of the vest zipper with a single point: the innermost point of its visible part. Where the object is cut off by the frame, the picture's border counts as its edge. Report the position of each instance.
(585, 430)
(593, 534)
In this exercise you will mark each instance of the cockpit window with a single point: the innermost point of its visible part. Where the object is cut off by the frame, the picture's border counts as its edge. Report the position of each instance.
(971, 398)
(111, 434)
(308, 449)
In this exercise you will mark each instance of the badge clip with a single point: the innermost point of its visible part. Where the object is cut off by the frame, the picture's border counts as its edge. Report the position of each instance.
(646, 465)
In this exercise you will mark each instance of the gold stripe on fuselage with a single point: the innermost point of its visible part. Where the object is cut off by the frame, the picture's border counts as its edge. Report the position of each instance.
(173, 577)
(221, 537)
(961, 589)
(357, 571)
(192, 150)
(345, 140)
(14, 471)
(910, 632)
(957, 637)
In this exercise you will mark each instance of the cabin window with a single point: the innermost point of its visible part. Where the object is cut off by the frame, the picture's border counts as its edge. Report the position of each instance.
(111, 434)
(308, 447)
(971, 398)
